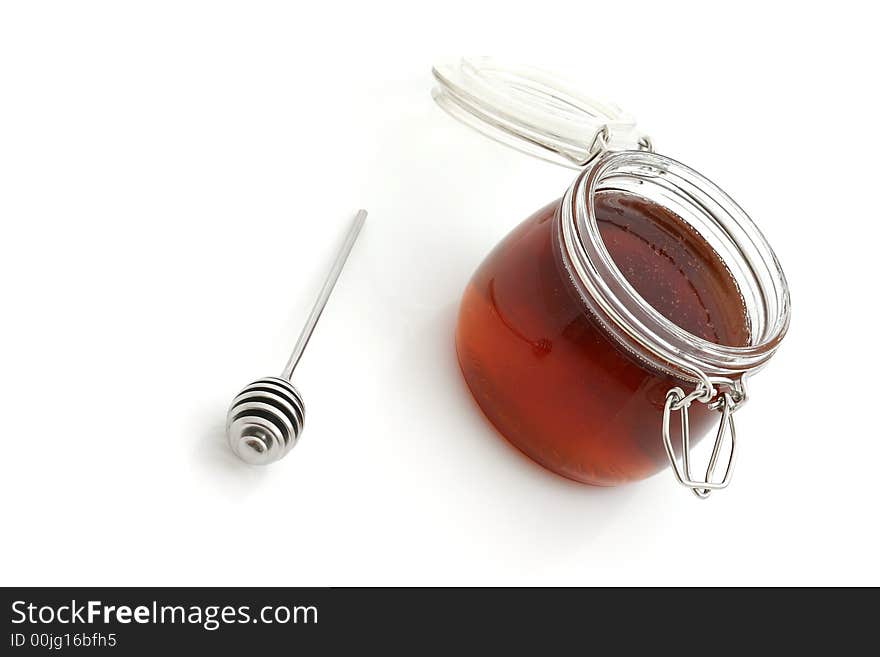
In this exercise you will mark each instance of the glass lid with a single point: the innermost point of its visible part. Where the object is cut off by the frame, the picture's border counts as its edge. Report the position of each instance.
(533, 111)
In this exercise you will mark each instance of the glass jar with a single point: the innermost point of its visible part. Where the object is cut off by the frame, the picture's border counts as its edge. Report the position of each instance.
(644, 292)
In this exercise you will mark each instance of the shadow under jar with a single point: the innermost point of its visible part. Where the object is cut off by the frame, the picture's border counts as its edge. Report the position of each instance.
(644, 292)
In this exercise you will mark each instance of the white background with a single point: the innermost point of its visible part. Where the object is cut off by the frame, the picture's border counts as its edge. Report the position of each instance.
(174, 178)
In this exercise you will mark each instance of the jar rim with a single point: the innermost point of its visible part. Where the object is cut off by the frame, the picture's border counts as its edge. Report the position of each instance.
(634, 322)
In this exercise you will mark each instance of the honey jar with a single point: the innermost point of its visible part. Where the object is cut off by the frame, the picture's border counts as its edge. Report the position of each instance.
(643, 293)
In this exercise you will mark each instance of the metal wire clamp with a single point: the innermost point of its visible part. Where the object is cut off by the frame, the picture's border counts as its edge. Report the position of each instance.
(726, 402)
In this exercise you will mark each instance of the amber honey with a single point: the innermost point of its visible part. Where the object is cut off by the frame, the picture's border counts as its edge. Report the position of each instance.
(548, 375)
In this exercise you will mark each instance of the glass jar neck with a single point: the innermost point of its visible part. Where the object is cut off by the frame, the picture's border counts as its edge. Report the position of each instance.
(631, 320)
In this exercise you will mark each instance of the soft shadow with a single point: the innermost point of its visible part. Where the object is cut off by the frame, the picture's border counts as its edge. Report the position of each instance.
(214, 457)
(504, 494)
